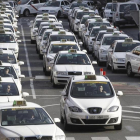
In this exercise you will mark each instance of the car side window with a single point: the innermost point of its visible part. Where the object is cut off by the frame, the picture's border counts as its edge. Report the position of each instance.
(66, 3)
(137, 51)
(35, 1)
(62, 3)
(43, 1)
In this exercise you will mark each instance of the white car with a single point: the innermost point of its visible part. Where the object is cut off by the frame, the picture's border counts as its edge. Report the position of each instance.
(132, 62)
(10, 90)
(117, 52)
(53, 49)
(8, 56)
(105, 43)
(54, 7)
(9, 42)
(26, 120)
(69, 63)
(90, 100)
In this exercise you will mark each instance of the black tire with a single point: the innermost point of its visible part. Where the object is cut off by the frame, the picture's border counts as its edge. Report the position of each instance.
(66, 126)
(61, 118)
(98, 61)
(47, 73)
(118, 127)
(32, 41)
(107, 65)
(129, 70)
(58, 14)
(43, 69)
(41, 56)
(26, 13)
(112, 68)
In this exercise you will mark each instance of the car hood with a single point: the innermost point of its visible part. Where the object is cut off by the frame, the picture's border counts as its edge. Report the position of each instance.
(52, 55)
(9, 98)
(120, 54)
(81, 68)
(47, 8)
(105, 47)
(29, 130)
(8, 45)
(104, 103)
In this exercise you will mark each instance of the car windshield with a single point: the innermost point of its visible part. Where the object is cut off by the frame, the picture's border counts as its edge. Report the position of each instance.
(46, 35)
(73, 5)
(80, 14)
(52, 4)
(109, 6)
(7, 38)
(8, 89)
(94, 32)
(10, 27)
(101, 35)
(73, 59)
(59, 37)
(7, 71)
(125, 47)
(8, 58)
(83, 20)
(24, 116)
(110, 39)
(55, 48)
(127, 7)
(91, 89)
(91, 25)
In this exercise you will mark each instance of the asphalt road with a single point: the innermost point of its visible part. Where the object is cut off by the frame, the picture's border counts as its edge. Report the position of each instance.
(42, 92)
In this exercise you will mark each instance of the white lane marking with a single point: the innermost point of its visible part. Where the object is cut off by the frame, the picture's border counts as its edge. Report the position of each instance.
(28, 63)
(99, 138)
(133, 138)
(131, 117)
(130, 128)
(131, 111)
(45, 95)
(133, 107)
(32, 88)
(131, 120)
(42, 77)
(132, 95)
(70, 138)
(51, 105)
(48, 98)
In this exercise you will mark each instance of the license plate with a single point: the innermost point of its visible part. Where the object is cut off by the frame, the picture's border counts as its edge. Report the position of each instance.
(97, 117)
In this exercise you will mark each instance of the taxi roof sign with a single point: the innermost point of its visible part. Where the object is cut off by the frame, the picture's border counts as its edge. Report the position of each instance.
(72, 51)
(128, 40)
(62, 32)
(86, 10)
(63, 40)
(2, 12)
(52, 26)
(19, 103)
(45, 14)
(56, 29)
(92, 15)
(104, 27)
(79, 1)
(110, 30)
(90, 77)
(45, 18)
(99, 20)
(2, 31)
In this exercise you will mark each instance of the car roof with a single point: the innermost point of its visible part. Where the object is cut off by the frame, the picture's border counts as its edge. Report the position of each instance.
(10, 105)
(67, 52)
(67, 42)
(66, 33)
(98, 78)
(7, 79)
(106, 35)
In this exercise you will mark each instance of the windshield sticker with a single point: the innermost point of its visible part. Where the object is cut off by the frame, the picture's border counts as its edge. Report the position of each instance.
(4, 123)
(81, 88)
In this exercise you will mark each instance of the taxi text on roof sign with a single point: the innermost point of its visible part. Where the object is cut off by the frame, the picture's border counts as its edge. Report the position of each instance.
(92, 15)
(72, 51)
(62, 32)
(103, 27)
(45, 18)
(86, 10)
(52, 26)
(45, 14)
(90, 77)
(56, 29)
(110, 30)
(63, 40)
(19, 103)
(128, 40)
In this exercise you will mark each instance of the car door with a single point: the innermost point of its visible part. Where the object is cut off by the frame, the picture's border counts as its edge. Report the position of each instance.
(137, 60)
(33, 6)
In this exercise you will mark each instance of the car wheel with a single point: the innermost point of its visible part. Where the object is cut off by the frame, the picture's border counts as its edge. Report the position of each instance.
(118, 127)
(107, 65)
(66, 126)
(26, 13)
(47, 73)
(129, 71)
(41, 56)
(32, 41)
(61, 118)
(98, 61)
(58, 14)
(53, 83)
(112, 68)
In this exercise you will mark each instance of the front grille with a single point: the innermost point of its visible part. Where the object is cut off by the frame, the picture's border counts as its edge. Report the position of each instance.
(94, 110)
(96, 121)
(121, 66)
(75, 73)
(62, 81)
(43, 138)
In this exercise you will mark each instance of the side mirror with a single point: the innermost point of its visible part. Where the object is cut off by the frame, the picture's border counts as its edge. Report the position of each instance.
(19, 41)
(80, 43)
(18, 32)
(20, 63)
(56, 120)
(52, 62)
(63, 93)
(119, 93)
(60, 21)
(25, 94)
(85, 51)
(21, 76)
(94, 62)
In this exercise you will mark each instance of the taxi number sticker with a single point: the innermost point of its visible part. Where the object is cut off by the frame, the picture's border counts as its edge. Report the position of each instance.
(81, 88)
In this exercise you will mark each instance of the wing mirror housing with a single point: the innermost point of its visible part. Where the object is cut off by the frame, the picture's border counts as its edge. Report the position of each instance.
(25, 94)
(20, 63)
(21, 76)
(119, 93)
(56, 120)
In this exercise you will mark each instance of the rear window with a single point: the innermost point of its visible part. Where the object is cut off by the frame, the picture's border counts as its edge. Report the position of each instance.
(127, 7)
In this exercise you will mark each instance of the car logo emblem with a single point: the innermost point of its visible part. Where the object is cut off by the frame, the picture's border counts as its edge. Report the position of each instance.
(94, 110)
(39, 137)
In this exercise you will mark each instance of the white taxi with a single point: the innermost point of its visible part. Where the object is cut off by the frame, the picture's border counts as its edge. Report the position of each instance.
(90, 100)
(10, 90)
(26, 120)
(117, 52)
(104, 45)
(8, 56)
(53, 49)
(69, 63)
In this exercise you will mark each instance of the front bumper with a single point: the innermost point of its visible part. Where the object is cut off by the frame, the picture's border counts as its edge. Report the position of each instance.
(61, 80)
(102, 57)
(84, 118)
(119, 66)
(33, 38)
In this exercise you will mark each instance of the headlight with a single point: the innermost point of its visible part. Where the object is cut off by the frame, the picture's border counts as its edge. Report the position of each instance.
(120, 59)
(60, 137)
(86, 73)
(52, 11)
(102, 51)
(113, 109)
(61, 73)
(13, 139)
(49, 59)
(75, 109)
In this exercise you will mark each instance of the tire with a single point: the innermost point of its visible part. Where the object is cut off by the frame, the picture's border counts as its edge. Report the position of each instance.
(66, 126)
(112, 68)
(47, 73)
(118, 127)
(61, 118)
(98, 61)
(107, 65)
(44, 69)
(54, 85)
(129, 70)
(58, 14)
(26, 13)
(40, 56)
